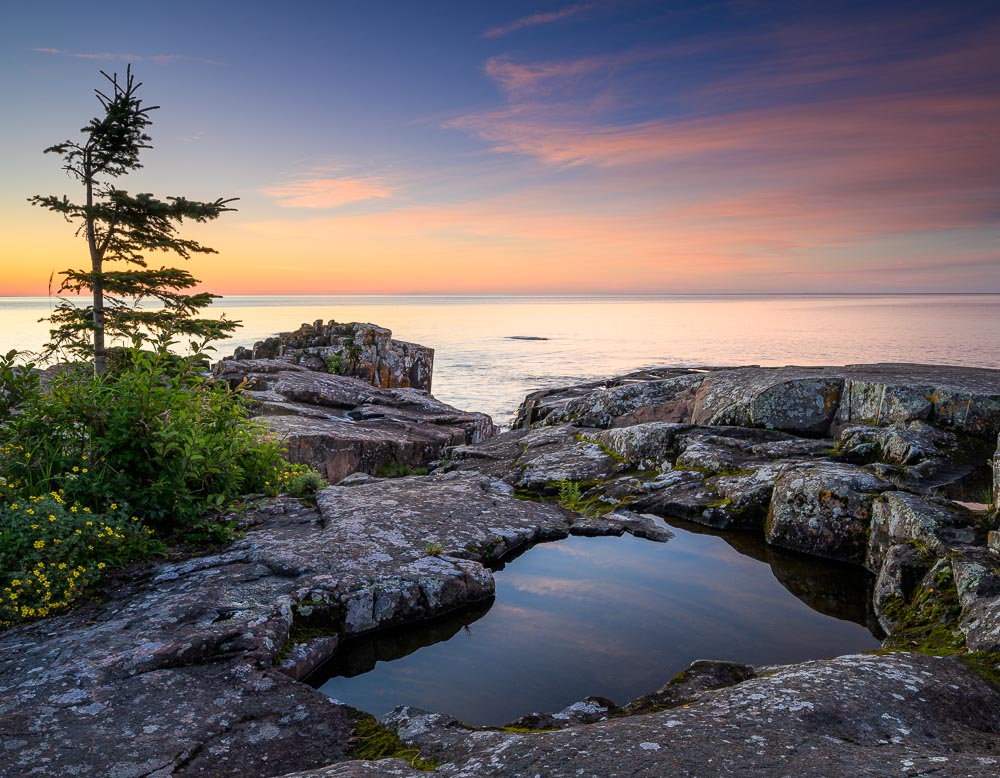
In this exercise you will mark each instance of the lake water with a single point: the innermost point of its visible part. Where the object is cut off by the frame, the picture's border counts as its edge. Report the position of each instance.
(616, 617)
(478, 366)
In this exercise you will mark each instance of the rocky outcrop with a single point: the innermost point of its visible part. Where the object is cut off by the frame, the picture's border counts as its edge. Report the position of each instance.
(823, 509)
(342, 425)
(812, 400)
(362, 351)
(194, 666)
(189, 667)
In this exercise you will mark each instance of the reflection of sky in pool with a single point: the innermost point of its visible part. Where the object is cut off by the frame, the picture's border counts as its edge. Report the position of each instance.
(615, 617)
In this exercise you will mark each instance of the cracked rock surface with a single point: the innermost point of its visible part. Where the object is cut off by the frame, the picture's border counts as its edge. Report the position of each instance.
(194, 667)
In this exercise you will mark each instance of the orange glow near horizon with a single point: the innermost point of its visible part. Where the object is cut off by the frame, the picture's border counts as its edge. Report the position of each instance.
(802, 150)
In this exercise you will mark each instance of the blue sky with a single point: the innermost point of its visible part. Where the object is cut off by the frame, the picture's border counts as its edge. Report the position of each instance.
(534, 146)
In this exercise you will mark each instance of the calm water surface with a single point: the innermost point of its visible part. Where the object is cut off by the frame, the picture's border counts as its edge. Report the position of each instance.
(616, 617)
(479, 367)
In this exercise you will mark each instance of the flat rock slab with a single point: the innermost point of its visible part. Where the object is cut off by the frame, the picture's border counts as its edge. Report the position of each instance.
(341, 425)
(893, 715)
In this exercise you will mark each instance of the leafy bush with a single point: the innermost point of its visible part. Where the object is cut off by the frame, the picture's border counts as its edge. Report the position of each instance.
(91, 466)
(155, 433)
(51, 551)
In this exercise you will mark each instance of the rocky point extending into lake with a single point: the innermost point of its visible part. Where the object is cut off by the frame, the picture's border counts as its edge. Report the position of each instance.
(195, 667)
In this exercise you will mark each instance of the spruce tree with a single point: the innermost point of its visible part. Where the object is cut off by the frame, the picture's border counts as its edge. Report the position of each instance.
(123, 229)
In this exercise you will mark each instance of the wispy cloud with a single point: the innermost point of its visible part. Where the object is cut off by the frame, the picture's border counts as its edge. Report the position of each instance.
(159, 59)
(535, 20)
(881, 136)
(326, 192)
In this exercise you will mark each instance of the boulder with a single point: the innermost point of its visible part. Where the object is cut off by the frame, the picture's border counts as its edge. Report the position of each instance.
(790, 399)
(931, 525)
(664, 399)
(701, 676)
(824, 509)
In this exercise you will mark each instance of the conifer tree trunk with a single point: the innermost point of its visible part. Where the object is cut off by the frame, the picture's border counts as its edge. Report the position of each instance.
(97, 285)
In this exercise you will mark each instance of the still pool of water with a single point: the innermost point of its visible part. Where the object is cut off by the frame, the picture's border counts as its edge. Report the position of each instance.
(615, 617)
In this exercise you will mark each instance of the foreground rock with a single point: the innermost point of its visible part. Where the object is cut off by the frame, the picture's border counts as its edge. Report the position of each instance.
(897, 715)
(342, 425)
(180, 671)
(193, 667)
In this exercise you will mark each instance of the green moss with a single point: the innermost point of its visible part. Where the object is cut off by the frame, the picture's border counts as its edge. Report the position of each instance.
(722, 503)
(985, 664)
(527, 730)
(928, 624)
(705, 471)
(396, 469)
(370, 740)
(603, 447)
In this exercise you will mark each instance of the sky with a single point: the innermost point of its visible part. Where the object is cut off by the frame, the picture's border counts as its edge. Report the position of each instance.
(535, 146)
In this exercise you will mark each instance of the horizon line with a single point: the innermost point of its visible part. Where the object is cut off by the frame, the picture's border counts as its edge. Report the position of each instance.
(223, 296)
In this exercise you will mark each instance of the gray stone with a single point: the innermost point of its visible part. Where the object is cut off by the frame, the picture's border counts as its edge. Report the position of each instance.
(996, 477)
(902, 569)
(355, 349)
(668, 400)
(811, 400)
(899, 714)
(649, 446)
(977, 582)
(687, 686)
(341, 425)
(587, 711)
(791, 399)
(934, 525)
(823, 509)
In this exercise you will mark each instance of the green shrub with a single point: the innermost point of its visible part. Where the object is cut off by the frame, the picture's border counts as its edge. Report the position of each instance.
(91, 466)
(50, 551)
(335, 363)
(302, 481)
(155, 434)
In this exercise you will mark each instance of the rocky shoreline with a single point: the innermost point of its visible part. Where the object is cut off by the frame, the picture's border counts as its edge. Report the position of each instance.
(194, 667)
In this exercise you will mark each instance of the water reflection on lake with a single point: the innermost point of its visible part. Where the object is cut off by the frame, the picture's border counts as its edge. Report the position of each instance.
(479, 367)
(615, 617)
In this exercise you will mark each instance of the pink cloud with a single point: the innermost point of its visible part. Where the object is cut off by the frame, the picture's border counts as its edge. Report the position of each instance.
(535, 20)
(159, 59)
(326, 192)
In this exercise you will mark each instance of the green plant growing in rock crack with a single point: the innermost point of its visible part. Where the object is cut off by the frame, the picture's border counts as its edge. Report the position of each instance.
(570, 495)
(569, 492)
(335, 363)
